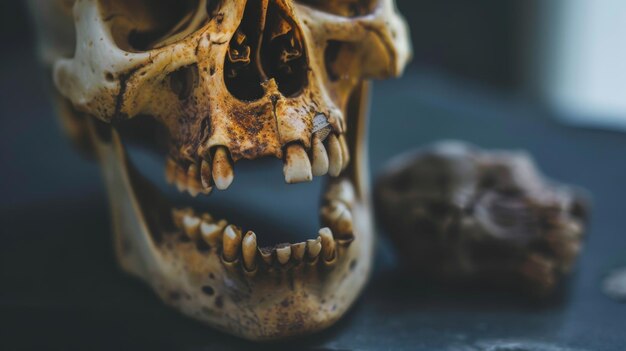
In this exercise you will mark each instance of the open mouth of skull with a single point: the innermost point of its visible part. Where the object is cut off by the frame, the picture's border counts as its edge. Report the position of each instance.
(194, 107)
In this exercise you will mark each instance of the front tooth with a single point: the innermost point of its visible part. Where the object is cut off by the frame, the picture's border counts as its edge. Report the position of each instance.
(223, 173)
(170, 171)
(334, 156)
(297, 251)
(205, 176)
(191, 225)
(249, 251)
(345, 153)
(211, 232)
(320, 157)
(313, 247)
(283, 253)
(297, 167)
(231, 242)
(193, 181)
(328, 244)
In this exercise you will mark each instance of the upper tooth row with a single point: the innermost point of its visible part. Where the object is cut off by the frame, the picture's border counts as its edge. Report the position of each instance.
(298, 167)
(235, 245)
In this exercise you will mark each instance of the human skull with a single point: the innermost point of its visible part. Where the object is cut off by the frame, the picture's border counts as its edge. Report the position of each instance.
(218, 81)
(459, 214)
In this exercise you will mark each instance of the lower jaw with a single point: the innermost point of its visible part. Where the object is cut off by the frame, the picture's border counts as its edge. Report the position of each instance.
(195, 271)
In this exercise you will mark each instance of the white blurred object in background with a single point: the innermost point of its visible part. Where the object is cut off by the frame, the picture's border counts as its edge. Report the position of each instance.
(579, 61)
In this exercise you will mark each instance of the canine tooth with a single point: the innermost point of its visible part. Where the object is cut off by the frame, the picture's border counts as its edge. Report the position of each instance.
(223, 173)
(320, 157)
(334, 156)
(170, 170)
(205, 176)
(266, 254)
(231, 242)
(328, 244)
(249, 251)
(283, 253)
(193, 181)
(298, 250)
(191, 224)
(297, 167)
(211, 232)
(345, 153)
(313, 247)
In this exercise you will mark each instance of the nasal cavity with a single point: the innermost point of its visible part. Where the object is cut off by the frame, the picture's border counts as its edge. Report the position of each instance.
(267, 45)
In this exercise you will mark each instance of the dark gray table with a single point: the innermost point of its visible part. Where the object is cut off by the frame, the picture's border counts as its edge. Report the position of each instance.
(60, 287)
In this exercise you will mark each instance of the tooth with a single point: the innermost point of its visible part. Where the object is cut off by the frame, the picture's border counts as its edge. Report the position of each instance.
(283, 253)
(338, 216)
(170, 171)
(212, 232)
(345, 153)
(313, 247)
(231, 242)
(178, 215)
(341, 191)
(297, 251)
(249, 251)
(205, 176)
(223, 173)
(328, 244)
(193, 181)
(297, 167)
(181, 179)
(320, 157)
(334, 156)
(191, 224)
(266, 255)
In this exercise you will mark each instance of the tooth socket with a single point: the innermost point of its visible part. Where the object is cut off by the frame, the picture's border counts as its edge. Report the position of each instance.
(231, 243)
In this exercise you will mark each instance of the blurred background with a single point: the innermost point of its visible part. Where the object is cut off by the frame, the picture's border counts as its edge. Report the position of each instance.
(545, 76)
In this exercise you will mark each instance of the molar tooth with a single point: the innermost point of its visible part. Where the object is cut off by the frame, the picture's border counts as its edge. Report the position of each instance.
(231, 242)
(313, 247)
(297, 167)
(248, 250)
(345, 153)
(170, 170)
(191, 224)
(223, 173)
(193, 181)
(334, 156)
(328, 244)
(179, 214)
(320, 157)
(342, 191)
(338, 216)
(205, 176)
(266, 255)
(298, 250)
(283, 252)
(211, 232)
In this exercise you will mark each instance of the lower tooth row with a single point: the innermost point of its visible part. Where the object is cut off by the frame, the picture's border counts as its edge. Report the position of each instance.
(235, 245)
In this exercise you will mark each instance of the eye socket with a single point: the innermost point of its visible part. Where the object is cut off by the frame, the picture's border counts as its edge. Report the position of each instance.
(346, 8)
(141, 25)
